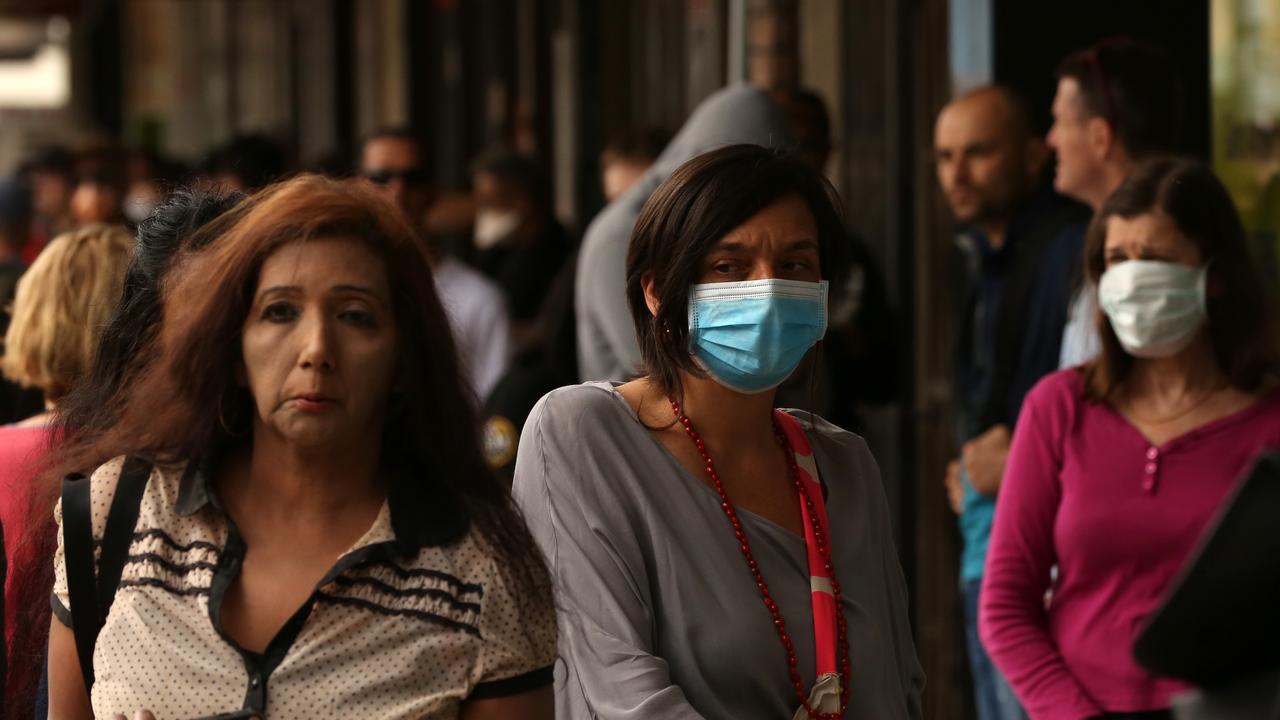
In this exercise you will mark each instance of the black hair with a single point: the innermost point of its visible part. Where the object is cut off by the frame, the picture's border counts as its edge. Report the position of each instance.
(406, 133)
(170, 228)
(255, 159)
(704, 200)
(1134, 86)
(53, 159)
(515, 170)
(641, 144)
(811, 102)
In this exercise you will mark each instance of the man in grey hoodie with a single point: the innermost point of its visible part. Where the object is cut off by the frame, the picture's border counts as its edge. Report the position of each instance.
(607, 347)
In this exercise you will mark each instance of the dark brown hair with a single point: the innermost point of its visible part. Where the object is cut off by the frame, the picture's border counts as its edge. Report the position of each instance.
(1239, 317)
(185, 404)
(1134, 87)
(704, 200)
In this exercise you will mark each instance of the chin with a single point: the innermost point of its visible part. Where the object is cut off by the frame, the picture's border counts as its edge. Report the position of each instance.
(313, 434)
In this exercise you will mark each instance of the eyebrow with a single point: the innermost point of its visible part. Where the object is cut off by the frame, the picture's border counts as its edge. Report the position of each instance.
(731, 246)
(336, 289)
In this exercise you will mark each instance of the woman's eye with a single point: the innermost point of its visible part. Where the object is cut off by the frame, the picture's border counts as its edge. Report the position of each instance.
(358, 316)
(279, 312)
(724, 268)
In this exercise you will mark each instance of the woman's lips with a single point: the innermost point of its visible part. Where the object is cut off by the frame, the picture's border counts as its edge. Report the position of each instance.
(312, 402)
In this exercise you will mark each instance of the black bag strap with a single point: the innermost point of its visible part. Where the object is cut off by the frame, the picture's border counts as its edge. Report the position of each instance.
(77, 550)
(92, 586)
(122, 520)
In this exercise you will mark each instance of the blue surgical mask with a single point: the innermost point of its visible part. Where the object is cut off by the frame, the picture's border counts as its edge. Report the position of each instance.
(750, 336)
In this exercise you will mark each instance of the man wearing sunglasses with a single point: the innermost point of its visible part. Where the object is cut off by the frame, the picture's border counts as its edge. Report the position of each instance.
(392, 160)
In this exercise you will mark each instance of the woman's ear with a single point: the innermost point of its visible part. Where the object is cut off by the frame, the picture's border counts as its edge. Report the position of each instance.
(650, 294)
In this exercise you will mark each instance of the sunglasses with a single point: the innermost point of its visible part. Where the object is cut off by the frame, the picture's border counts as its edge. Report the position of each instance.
(412, 176)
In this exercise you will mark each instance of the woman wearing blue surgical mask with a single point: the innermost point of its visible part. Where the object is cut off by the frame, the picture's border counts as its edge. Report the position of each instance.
(1118, 466)
(715, 558)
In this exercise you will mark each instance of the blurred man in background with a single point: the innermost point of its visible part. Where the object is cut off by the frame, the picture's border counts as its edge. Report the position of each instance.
(51, 175)
(392, 161)
(990, 166)
(519, 243)
(626, 157)
(1118, 102)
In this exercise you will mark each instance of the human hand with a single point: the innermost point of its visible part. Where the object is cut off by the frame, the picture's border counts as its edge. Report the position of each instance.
(985, 457)
(955, 488)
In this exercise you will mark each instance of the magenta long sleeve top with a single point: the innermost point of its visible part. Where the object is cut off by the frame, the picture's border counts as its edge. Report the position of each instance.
(1086, 491)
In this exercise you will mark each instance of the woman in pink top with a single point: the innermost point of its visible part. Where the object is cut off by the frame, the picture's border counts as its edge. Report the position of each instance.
(1118, 466)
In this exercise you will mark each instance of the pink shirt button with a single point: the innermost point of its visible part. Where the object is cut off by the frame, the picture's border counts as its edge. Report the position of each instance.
(1151, 468)
(1149, 484)
(1152, 453)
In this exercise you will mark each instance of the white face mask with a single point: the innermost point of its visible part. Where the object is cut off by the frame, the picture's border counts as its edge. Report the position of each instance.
(494, 226)
(1155, 308)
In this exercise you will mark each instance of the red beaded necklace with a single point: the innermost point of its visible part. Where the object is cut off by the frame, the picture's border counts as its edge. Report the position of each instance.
(823, 548)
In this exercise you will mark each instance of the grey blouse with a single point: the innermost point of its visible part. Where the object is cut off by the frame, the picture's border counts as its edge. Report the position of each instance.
(659, 615)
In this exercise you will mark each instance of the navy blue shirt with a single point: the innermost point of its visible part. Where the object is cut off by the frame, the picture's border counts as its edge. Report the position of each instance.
(1015, 311)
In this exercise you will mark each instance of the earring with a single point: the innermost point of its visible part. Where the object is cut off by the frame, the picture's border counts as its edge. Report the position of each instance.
(222, 421)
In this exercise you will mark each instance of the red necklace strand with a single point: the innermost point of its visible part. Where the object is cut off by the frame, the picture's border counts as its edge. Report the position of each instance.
(823, 549)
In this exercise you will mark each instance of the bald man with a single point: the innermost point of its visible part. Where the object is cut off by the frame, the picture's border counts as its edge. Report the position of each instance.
(1013, 299)
(988, 160)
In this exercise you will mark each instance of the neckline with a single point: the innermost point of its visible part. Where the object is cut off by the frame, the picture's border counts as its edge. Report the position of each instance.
(1259, 403)
(687, 477)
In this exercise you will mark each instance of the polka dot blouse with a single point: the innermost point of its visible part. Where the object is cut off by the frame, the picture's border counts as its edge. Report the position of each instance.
(400, 627)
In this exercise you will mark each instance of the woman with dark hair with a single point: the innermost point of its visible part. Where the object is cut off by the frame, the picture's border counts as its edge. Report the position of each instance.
(172, 226)
(1118, 466)
(715, 558)
(317, 534)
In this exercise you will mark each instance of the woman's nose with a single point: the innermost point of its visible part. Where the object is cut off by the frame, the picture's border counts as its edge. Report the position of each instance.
(317, 344)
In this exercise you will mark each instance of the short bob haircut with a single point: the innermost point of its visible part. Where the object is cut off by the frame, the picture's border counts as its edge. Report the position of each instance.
(704, 200)
(61, 305)
(186, 404)
(1239, 317)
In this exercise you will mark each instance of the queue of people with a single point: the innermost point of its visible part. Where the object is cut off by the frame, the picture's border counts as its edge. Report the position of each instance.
(298, 451)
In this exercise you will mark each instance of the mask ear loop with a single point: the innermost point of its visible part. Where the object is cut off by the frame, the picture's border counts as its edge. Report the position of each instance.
(1202, 287)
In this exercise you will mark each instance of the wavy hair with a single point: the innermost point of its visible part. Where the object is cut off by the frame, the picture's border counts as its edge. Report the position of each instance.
(61, 305)
(185, 404)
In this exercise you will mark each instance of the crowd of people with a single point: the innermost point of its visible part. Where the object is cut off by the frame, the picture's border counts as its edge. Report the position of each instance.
(342, 445)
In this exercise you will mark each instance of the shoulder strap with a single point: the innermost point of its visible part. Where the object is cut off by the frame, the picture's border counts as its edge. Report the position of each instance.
(122, 520)
(91, 589)
(77, 549)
